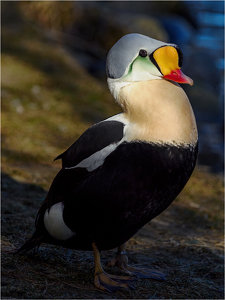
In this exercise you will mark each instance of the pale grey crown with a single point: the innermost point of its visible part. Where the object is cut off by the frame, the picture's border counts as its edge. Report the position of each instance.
(123, 53)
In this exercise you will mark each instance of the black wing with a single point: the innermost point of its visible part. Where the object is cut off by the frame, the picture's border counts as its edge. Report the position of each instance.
(92, 140)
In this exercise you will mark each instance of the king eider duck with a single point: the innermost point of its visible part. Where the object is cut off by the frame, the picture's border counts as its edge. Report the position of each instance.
(124, 171)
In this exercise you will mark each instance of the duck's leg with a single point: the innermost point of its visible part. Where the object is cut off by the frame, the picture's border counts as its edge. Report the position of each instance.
(107, 282)
(121, 261)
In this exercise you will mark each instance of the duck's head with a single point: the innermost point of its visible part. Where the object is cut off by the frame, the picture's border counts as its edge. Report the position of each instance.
(136, 57)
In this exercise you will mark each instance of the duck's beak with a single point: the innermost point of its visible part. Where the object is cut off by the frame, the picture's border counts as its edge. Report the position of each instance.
(178, 76)
(168, 59)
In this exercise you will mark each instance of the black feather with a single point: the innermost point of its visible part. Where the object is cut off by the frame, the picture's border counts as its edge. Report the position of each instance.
(33, 242)
(92, 140)
(110, 204)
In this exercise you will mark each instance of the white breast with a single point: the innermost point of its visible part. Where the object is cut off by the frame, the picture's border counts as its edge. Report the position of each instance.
(158, 111)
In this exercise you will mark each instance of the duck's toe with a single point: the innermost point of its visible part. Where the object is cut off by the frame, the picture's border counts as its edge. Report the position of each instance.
(122, 263)
(144, 273)
(112, 283)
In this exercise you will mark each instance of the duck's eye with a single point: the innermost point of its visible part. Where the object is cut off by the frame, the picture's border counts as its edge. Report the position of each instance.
(143, 53)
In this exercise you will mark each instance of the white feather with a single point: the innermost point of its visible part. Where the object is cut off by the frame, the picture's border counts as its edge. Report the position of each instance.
(97, 159)
(54, 223)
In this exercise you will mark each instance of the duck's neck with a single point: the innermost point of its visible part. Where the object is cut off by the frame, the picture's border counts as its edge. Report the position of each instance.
(158, 111)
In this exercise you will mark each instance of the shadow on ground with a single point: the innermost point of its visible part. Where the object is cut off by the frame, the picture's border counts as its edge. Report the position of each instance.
(190, 252)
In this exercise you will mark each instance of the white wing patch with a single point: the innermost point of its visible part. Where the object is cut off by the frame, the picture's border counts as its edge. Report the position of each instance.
(54, 223)
(97, 159)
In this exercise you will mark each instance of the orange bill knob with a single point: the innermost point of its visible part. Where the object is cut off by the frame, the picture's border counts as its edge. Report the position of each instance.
(167, 59)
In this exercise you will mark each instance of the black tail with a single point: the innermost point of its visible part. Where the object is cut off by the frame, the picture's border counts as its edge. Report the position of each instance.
(34, 241)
